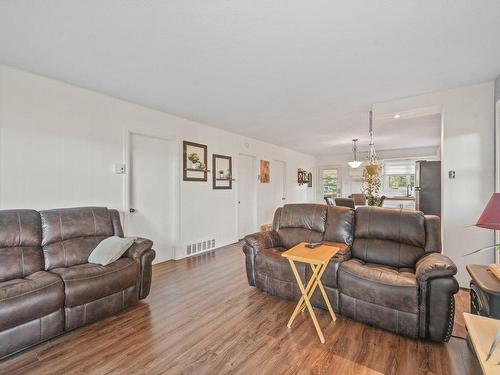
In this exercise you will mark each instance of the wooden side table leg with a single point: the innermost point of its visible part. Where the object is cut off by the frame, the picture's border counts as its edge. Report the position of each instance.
(301, 305)
(323, 291)
(306, 299)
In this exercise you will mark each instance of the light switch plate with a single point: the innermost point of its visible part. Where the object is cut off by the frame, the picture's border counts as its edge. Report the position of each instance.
(119, 168)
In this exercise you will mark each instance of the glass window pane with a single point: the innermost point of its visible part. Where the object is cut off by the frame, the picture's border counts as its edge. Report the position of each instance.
(397, 181)
(330, 183)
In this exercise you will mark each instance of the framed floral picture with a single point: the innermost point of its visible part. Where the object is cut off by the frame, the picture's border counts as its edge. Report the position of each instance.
(194, 161)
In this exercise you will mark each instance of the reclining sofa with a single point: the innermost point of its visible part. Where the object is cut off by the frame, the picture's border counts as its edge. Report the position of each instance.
(389, 272)
(47, 286)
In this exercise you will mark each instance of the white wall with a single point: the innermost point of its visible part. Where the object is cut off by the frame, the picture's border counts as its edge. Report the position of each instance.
(58, 144)
(468, 149)
(497, 89)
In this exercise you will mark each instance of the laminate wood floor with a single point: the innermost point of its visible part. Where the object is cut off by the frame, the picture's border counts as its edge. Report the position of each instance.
(202, 318)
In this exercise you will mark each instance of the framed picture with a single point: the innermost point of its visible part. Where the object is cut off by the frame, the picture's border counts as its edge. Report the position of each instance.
(194, 161)
(222, 175)
(265, 174)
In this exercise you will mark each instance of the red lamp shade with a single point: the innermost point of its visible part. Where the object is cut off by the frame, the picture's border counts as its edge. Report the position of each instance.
(490, 218)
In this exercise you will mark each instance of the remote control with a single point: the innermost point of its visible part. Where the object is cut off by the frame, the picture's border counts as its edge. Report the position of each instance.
(312, 245)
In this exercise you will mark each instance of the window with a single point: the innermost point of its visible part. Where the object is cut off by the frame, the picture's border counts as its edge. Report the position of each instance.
(330, 184)
(398, 174)
(398, 181)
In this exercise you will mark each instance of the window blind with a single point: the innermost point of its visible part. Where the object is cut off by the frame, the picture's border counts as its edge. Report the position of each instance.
(399, 167)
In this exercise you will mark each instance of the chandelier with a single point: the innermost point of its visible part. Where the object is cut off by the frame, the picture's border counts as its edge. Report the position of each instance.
(372, 156)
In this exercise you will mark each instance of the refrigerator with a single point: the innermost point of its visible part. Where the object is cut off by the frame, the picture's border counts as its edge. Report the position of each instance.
(428, 187)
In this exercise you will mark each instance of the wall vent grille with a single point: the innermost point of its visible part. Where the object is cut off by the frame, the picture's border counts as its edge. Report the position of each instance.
(200, 246)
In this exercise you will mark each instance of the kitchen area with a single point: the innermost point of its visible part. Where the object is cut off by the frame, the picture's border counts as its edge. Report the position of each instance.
(423, 191)
(405, 183)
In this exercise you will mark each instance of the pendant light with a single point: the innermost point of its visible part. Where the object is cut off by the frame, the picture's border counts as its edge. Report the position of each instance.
(373, 167)
(355, 163)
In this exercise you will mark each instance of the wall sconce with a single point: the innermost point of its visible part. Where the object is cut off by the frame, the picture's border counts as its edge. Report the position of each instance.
(304, 177)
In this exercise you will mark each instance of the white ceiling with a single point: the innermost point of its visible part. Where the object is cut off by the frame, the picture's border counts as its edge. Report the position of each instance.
(301, 74)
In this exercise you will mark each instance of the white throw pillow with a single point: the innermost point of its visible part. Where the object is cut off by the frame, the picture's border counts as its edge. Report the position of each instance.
(110, 250)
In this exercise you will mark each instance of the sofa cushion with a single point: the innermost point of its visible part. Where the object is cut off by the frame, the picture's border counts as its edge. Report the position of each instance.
(87, 282)
(329, 278)
(301, 223)
(339, 225)
(393, 237)
(270, 262)
(392, 287)
(289, 237)
(69, 235)
(23, 300)
(20, 237)
(306, 215)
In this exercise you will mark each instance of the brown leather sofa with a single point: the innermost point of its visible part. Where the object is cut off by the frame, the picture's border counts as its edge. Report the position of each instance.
(389, 273)
(47, 287)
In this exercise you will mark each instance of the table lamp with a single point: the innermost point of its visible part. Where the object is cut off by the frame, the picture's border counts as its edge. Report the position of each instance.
(490, 219)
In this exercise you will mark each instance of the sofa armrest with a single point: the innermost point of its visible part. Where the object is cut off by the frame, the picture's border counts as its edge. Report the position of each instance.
(433, 266)
(142, 253)
(437, 287)
(140, 246)
(253, 244)
(263, 240)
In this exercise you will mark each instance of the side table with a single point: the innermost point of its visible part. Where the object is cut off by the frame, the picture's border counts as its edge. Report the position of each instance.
(318, 258)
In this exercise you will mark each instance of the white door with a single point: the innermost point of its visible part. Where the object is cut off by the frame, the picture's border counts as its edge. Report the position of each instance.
(279, 182)
(247, 202)
(152, 193)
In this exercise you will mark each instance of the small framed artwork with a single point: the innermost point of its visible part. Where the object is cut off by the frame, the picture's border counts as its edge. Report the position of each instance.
(265, 175)
(222, 176)
(194, 161)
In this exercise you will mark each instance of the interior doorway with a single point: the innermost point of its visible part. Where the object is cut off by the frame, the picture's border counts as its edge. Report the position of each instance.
(279, 183)
(152, 192)
(247, 199)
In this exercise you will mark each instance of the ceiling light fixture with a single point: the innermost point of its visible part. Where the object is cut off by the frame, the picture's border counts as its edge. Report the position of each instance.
(355, 163)
(396, 116)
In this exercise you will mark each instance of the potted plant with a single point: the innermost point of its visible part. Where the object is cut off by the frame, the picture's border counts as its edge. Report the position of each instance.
(221, 174)
(194, 159)
(371, 184)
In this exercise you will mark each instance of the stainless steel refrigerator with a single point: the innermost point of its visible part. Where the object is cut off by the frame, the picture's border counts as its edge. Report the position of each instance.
(428, 187)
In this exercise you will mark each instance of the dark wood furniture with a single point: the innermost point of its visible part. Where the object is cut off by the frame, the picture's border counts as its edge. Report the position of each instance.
(345, 202)
(484, 291)
(359, 199)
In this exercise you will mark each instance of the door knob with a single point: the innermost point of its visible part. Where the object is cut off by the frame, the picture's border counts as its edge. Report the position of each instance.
(131, 210)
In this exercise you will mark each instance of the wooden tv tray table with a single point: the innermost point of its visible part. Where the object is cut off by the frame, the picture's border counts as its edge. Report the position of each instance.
(482, 331)
(318, 258)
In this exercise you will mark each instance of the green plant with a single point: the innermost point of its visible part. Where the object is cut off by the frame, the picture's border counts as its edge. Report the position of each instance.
(371, 184)
(193, 157)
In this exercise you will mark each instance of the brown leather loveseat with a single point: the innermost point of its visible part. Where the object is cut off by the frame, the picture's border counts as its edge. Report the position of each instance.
(47, 287)
(389, 273)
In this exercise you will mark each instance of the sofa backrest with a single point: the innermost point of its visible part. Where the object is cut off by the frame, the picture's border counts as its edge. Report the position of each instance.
(20, 238)
(297, 223)
(394, 237)
(339, 225)
(69, 235)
